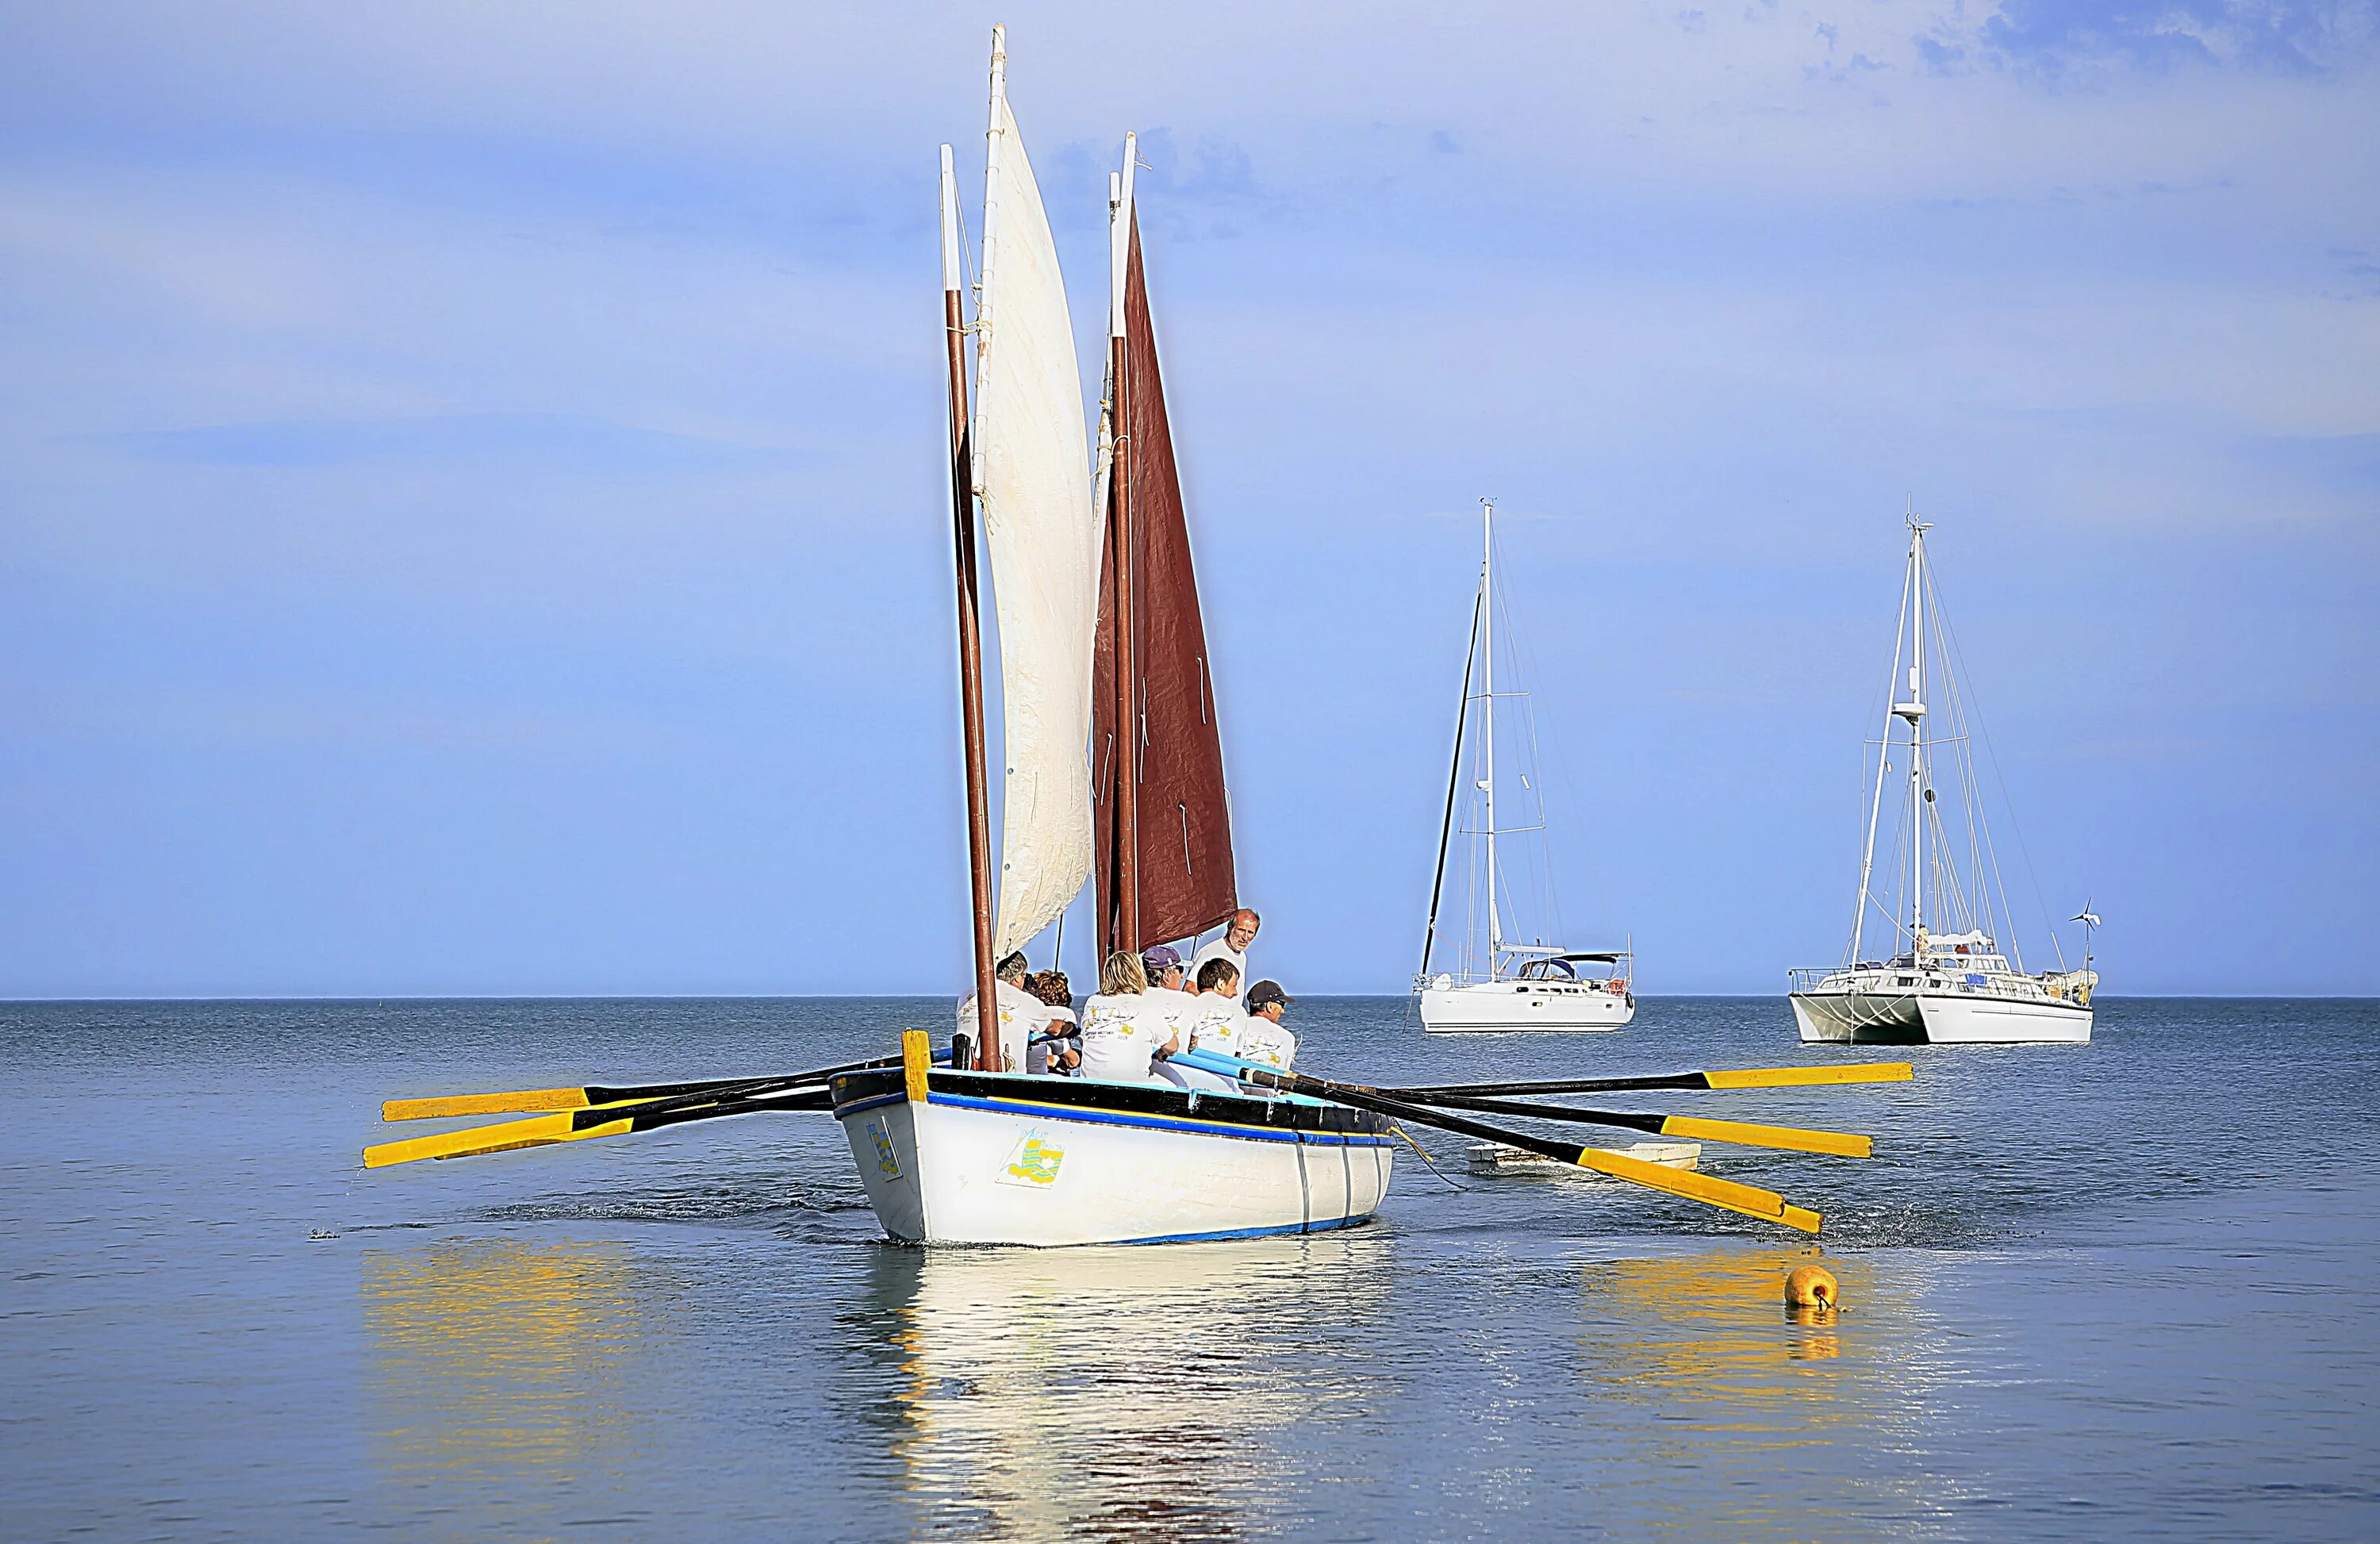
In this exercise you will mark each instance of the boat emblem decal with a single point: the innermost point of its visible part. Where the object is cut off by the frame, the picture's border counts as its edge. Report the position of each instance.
(1033, 1161)
(888, 1162)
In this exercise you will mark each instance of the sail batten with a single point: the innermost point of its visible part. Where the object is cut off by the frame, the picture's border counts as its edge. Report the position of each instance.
(1168, 836)
(1033, 475)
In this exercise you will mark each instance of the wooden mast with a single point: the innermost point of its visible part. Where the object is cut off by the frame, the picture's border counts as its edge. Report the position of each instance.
(971, 634)
(1125, 785)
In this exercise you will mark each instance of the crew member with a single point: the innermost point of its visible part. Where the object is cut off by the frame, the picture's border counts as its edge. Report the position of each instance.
(1232, 946)
(1053, 1047)
(1121, 1029)
(1262, 1039)
(1019, 1011)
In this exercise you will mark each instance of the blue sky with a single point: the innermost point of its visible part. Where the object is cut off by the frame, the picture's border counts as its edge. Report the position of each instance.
(472, 519)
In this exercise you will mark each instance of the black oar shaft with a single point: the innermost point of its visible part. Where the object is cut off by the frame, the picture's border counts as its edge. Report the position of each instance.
(717, 1091)
(1629, 1119)
(1557, 1085)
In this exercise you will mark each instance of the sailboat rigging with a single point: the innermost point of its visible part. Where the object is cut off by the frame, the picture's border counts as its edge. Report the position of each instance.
(1960, 985)
(1510, 986)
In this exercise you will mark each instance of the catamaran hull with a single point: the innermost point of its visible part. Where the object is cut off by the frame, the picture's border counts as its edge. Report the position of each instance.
(998, 1159)
(1935, 1018)
(1505, 1007)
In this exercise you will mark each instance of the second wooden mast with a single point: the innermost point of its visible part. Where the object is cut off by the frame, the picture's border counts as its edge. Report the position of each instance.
(970, 629)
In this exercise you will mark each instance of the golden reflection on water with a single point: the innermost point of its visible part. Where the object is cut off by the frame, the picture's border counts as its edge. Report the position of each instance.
(1115, 1394)
(499, 1359)
(1741, 1387)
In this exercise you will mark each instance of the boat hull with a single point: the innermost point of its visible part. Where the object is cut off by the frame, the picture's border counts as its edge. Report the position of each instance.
(1498, 1007)
(1937, 1018)
(991, 1158)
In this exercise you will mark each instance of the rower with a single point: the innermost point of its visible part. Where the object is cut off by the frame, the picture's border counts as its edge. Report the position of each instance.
(1168, 993)
(1019, 1011)
(1052, 1047)
(1214, 1025)
(1262, 1037)
(1123, 1030)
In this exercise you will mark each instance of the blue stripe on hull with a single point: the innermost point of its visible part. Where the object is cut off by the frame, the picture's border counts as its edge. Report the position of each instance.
(1324, 1225)
(1160, 1123)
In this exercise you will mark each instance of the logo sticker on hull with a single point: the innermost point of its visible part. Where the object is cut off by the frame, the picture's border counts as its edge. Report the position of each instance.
(888, 1161)
(1033, 1161)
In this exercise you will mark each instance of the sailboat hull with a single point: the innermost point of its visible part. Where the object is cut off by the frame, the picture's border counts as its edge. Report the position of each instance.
(991, 1158)
(1937, 1018)
(1494, 1007)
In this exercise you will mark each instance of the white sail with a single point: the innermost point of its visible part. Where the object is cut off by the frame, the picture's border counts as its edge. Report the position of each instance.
(1032, 471)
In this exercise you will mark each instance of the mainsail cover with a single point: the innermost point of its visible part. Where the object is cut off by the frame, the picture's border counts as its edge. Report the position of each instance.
(1033, 477)
(1184, 846)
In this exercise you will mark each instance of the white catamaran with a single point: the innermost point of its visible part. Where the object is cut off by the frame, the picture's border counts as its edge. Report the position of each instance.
(1955, 986)
(1505, 985)
(1113, 772)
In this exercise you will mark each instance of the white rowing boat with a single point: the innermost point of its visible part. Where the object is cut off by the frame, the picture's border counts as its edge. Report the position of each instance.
(999, 1158)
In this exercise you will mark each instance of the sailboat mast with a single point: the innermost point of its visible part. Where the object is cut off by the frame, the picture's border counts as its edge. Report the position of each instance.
(1126, 769)
(970, 636)
(1488, 716)
(1916, 730)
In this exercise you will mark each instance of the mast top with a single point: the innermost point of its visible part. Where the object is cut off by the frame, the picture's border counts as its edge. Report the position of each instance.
(1120, 234)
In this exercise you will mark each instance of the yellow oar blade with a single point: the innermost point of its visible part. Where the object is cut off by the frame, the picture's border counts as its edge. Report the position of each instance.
(1750, 1200)
(1803, 1077)
(472, 1142)
(519, 1101)
(1747, 1134)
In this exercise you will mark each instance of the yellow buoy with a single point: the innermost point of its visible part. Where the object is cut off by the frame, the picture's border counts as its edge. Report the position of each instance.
(1812, 1286)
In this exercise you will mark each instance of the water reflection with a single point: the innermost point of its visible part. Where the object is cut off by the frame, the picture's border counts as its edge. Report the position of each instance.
(494, 1362)
(1113, 1394)
(1740, 1388)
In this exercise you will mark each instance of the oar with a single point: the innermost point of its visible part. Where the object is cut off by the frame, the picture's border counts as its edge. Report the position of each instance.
(524, 1100)
(1789, 1139)
(1750, 1077)
(1750, 1200)
(579, 1125)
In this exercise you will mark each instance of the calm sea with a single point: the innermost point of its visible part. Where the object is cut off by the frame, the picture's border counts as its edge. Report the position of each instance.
(2128, 1290)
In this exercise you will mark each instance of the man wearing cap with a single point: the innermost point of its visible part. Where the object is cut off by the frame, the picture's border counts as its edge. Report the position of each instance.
(1262, 1039)
(1232, 946)
(1176, 1007)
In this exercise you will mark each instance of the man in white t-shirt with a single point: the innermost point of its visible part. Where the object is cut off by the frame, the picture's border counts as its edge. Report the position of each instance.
(1262, 1039)
(1166, 995)
(1232, 946)
(1167, 1000)
(1019, 1012)
(1214, 1025)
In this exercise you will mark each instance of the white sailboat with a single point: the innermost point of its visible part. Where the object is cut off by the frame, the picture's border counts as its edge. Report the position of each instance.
(1507, 985)
(1957, 986)
(975, 1155)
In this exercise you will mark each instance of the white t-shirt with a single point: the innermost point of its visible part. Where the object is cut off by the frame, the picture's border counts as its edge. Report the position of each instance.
(1021, 1015)
(1263, 1040)
(1220, 949)
(1178, 1008)
(1215, 1025)
(1121, 1033)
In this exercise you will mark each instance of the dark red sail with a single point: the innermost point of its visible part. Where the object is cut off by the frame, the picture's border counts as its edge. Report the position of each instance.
(1166, 837)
